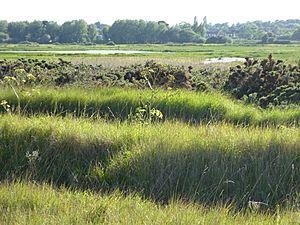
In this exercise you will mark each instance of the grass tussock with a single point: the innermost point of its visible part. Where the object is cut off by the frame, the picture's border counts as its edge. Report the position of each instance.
(211, 164)
(23, 203)
(117, 103)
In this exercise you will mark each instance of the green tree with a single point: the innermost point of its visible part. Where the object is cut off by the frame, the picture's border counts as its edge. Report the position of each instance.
(247, 30)
(53, 30)
(105, 33)
(200, 28)
(75, 31)
(296, 35)
(189, 36)
(183, 25)
(137, 31)
(171, 35)
(218, 40)
(125, 32)
(3, 37)
(36, 31)
(92, 33)
(17, 31)
(3, 26)
(152, 32)
(3, 31)
(268, 38)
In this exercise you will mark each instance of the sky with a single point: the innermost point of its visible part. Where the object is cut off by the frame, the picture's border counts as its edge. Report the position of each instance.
(173, 12)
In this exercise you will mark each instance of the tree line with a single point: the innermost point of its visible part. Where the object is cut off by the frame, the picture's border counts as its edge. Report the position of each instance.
(140, 32)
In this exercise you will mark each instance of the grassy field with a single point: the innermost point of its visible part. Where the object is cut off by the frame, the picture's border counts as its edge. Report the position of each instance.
(117, 103)
(98, 155)
(177, 54)
(212, 164)
(22, 203)
(32, 204)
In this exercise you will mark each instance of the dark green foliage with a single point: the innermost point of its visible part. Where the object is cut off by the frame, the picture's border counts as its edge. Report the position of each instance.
(296, 35)
(268, 38)
(17, 31)
(136, 31)
(158, 75)
(75, 31)
(3, 31)
(256, 30)
(209, 78)
(267, 82)
(3, 37)
(65, 73)
(3, 26)
(140, 31)
(218, 40)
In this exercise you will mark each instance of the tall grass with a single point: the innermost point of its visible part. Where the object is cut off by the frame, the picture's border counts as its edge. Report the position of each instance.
(211, 164)
(22, 203)
(119, 103)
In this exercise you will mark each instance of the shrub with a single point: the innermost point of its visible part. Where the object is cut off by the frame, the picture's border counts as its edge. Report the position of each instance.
(267, 82)
(218, 40)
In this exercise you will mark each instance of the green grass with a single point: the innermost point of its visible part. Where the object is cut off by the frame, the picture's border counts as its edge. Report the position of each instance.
(22, 203)
(189, 52)
(120, 103)
(211, 164)
(72, 156)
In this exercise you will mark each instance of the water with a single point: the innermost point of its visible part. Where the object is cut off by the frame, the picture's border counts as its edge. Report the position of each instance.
(97, 52)
(223, 60)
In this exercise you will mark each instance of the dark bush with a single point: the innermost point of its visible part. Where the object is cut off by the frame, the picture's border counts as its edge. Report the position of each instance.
(65, 73)
(267, 82)
(218, 40)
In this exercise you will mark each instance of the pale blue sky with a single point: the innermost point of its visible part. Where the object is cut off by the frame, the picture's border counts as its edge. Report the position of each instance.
(173, 12)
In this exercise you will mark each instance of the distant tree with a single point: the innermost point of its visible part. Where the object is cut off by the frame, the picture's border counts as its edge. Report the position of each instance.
(246, 30)
(36, 31)
(3, 37)
(53, 30)
(219, 40)
(105, 33)
(100, 26)
(171, 35)
(3, 26)
(268, 38)
(162, 22)
(80, 31)
(204, 27)
(92, 33)
(126, 31)
(296, 35)
(153, 32)
(17, 31)
(184, 25)
(45, 39)
(186, 35)
(140, 31)
(3, 31)
(200, 28)
(161, 30)
(195, 25)
(219, 29)
(115, 32)
(75, 31)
